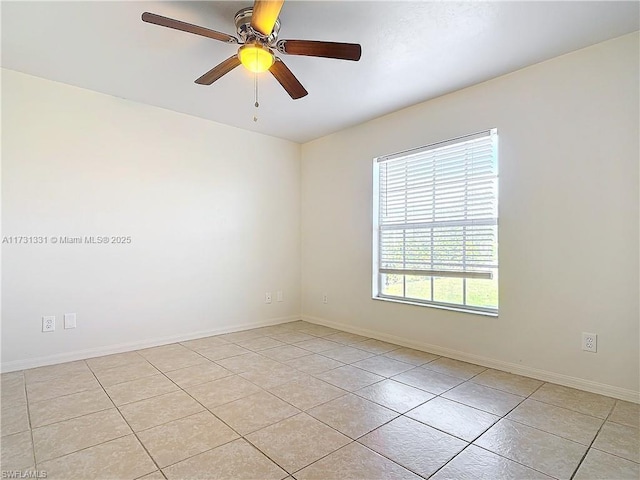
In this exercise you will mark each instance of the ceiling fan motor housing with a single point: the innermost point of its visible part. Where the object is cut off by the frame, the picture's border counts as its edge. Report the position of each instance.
(248, 34)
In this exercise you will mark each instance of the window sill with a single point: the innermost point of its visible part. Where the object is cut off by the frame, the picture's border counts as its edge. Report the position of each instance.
(433, 305)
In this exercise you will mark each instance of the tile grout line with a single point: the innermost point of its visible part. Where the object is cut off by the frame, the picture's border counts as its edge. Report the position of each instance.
(544, 431)
(586, 452)
(300, 412)
(468, 443)
(512, 460)
(113, 406)
(314, 376)
(399, 414)
(103, 388)
(125, 421)
(351, 440)
(33, 443)
(575, 471)
(240, 436)
(243, 437)
(501, 417)
(99, 389)
(484, 431)
(344, 446)
(73, 418)
(590, 446)
(347, 392)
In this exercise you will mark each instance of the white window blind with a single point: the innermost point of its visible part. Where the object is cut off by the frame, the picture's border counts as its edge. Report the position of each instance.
(437, 209)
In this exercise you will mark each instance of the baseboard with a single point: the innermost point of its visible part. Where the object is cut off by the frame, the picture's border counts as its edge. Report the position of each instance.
(129, 346)
(544, 375)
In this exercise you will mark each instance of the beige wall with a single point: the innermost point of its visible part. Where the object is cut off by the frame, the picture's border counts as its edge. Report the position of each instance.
(213, 213)
(568, 238)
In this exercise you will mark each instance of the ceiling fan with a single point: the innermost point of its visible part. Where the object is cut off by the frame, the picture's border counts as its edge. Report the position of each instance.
(257, 28)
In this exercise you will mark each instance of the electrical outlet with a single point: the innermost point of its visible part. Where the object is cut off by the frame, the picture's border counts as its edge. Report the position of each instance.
(69, 320)
(279, 296)
(267, 297)
(48, 324)
(589, 342)
(325, 298)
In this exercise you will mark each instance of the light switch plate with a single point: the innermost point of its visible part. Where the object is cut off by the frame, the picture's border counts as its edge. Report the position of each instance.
(69, 320)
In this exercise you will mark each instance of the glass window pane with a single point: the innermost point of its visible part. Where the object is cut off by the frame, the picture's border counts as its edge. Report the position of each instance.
(447, 290)
(437, 211)
(418, 287)
(483, 293)
(392, 285)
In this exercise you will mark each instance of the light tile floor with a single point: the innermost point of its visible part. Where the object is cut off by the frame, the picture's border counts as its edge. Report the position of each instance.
(305, 401)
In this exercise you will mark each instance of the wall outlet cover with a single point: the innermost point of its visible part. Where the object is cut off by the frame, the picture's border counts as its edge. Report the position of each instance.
(48, 323)
(590, 342)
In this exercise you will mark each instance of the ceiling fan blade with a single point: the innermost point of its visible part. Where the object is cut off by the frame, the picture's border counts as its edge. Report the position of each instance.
(219, 70)
(264, 16)
(287, 79)
(187, 27)
(312, 48)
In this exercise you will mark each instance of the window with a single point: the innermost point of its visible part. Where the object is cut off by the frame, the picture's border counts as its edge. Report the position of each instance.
(436, 224)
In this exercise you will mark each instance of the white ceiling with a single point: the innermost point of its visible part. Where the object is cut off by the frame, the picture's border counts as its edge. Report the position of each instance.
(412, 51)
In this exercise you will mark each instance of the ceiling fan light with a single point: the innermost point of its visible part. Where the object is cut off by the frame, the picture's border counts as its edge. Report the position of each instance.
(256, 58)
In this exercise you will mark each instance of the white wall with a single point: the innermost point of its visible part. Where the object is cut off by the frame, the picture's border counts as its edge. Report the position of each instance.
(568, 239)
(213, 213)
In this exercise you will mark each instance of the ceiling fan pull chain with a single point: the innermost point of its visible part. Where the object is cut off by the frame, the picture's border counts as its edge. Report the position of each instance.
(255, 96)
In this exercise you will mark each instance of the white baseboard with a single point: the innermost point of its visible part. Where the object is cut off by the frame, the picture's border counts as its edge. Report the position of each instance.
(544, 375)
(130, 346)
